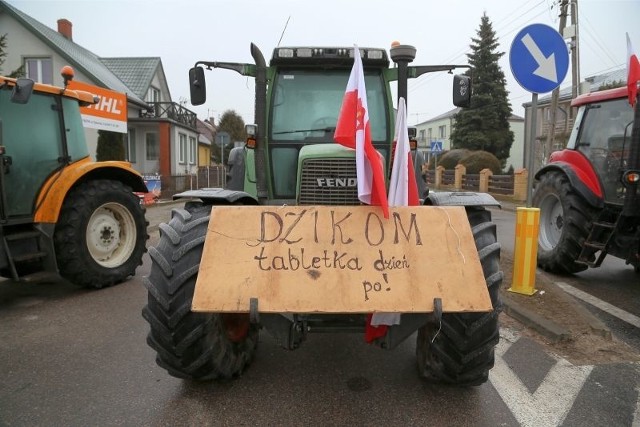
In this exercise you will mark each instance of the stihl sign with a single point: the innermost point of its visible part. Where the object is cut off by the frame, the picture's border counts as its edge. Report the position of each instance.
(109, 113)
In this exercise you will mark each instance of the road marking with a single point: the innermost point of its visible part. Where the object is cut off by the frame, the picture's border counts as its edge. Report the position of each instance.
(551, 402)
(602, 305)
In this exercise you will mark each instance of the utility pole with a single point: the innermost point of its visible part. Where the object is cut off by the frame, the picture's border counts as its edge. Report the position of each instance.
(551, 128)
(575, 50)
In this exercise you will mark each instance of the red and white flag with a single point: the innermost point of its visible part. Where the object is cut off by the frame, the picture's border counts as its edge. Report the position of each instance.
(353, 131)
(403, 189)
(633, 72)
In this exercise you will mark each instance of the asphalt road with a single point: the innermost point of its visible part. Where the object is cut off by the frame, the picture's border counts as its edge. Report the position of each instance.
(75, 357)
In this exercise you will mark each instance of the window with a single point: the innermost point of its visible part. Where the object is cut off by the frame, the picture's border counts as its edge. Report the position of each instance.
(39, 69)
(306, 103)
(153, 95)
(131, 145)
(604, 139)
(22, 137)
(430, 134)
(442, 131)
(182, 149)
(192, 150)
(152, 146)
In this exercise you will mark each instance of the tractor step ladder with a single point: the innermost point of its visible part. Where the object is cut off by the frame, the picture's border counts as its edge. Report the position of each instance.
(31, 252)
(602, 231)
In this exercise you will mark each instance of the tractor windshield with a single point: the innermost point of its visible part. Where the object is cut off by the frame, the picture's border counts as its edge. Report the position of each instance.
(306, 104)
(602, 139)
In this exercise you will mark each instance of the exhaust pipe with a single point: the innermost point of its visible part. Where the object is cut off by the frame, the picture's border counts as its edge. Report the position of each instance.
(260, 121)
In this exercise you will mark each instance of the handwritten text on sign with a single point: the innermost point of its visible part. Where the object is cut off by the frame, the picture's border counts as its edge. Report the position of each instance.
(346, 259)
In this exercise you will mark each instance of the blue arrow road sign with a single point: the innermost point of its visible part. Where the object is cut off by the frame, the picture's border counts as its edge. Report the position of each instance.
(539, 58)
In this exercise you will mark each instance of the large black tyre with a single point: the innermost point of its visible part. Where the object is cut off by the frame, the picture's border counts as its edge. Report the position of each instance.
(565, 221)
(461, 350)
(189, 345)
(101, 234)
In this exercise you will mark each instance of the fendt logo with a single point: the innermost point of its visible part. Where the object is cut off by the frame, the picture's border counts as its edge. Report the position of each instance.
(337, 182)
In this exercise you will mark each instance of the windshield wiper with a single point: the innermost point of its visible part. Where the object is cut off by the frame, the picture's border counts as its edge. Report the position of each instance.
(326, 129)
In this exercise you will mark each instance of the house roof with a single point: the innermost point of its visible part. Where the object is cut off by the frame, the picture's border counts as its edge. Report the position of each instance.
(79, 57)
(595, 83)
(206, 131)
(446, 115)
(135, 73)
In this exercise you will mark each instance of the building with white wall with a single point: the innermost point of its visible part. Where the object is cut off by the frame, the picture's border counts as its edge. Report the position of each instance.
(439, 129)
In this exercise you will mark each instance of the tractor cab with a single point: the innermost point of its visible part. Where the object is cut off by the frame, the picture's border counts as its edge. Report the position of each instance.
(604, 138)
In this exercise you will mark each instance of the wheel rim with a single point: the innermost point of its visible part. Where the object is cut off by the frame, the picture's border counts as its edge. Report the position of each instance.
(551, 222)
(111, 235)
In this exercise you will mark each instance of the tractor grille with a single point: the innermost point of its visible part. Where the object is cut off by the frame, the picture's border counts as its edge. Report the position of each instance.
(328, 182)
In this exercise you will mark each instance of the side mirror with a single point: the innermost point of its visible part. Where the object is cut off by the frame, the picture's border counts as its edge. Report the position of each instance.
(22, 91)
(197, 86)
(412, 131)
(461, 91)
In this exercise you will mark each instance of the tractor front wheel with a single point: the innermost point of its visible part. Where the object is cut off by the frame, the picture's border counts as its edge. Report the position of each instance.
(190, 345)
(460, 350)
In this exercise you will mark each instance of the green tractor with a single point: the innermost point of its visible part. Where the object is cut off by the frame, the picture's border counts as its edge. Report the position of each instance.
(290, 159)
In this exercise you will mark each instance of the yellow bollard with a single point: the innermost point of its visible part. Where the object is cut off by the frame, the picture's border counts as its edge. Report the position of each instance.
(526, 251)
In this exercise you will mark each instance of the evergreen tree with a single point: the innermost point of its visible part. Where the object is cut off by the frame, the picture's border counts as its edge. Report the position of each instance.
(110, 146)
(231, 123)
(19, 72)
(485, 125)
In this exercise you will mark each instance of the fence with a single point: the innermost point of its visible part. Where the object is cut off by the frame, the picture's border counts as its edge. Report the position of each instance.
(471, 182)
(486, 182)
(206, 177)
(501, 184)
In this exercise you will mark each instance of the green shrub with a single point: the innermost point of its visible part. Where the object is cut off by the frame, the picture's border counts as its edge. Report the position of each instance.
(479, 160)
(451, 158)
(110, 146)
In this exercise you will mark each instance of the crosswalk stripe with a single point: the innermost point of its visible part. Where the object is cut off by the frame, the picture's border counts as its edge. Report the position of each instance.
(551, 402)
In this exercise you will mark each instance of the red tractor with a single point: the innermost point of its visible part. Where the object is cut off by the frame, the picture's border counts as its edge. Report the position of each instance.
(588, 193)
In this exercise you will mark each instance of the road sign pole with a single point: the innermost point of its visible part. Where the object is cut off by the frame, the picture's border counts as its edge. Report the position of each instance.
(532, 147)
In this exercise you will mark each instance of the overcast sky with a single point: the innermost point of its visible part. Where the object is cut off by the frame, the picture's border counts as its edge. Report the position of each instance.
(182, 32)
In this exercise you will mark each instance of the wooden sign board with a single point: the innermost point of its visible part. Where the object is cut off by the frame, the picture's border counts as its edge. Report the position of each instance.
(342, 259)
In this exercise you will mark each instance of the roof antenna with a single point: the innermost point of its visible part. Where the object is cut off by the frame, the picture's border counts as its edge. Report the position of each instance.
(283, 30)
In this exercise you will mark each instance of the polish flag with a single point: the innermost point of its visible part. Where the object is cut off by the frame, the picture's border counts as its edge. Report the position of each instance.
(403, 191)
(633, 73)
(353, 131)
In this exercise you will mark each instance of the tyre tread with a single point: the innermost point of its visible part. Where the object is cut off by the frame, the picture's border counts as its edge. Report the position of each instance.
(189, 345)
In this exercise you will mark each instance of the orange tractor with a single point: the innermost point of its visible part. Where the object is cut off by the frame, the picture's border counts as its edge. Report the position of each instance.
(60, 212)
